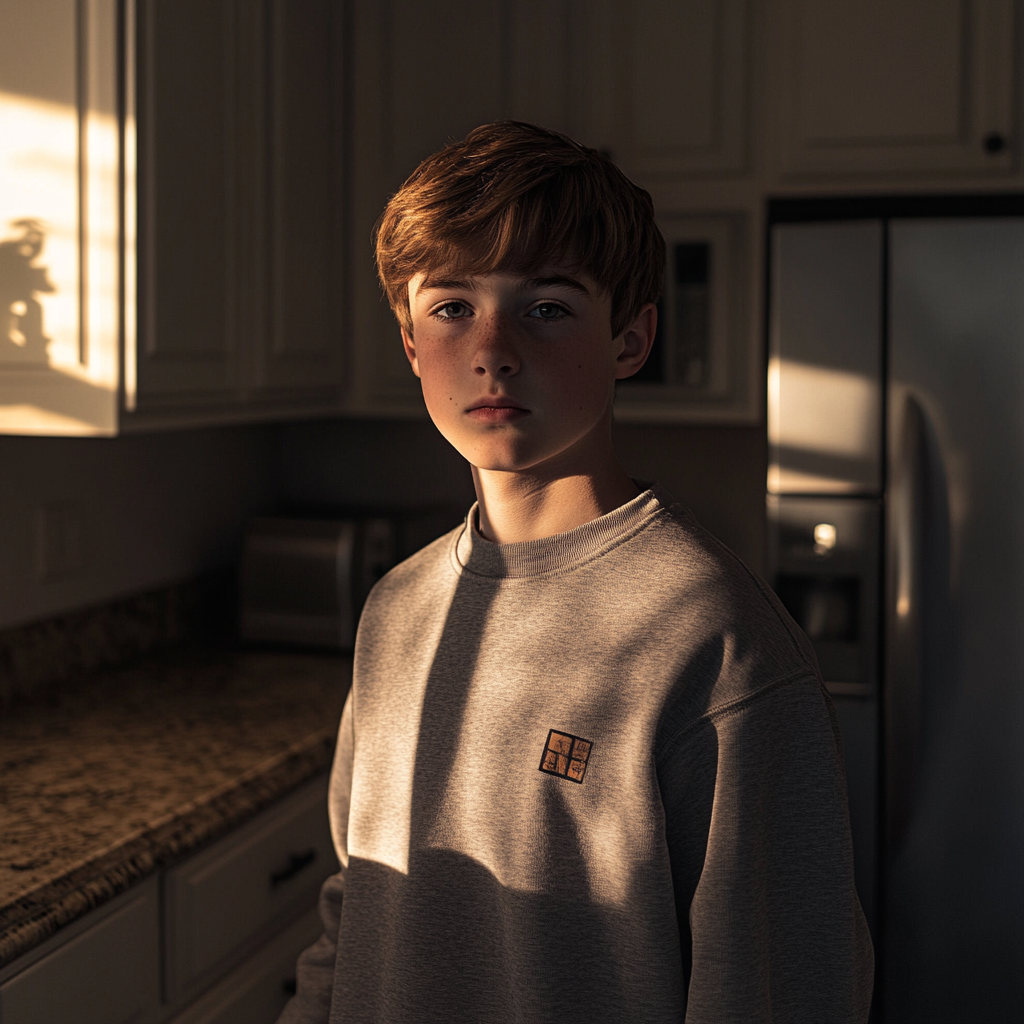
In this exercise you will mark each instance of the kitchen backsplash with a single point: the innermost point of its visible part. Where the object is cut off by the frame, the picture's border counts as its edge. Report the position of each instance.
(37, 658)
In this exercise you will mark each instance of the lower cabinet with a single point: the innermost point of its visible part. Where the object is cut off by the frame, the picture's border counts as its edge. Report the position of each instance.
(255, 992)
(226, 902)
(211, 941)
(107, 973)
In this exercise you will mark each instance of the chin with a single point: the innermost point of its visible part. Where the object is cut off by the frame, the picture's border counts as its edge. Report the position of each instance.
(495, 464)
(487, 452)
(504, 451)
(519, 462)
(486, 458)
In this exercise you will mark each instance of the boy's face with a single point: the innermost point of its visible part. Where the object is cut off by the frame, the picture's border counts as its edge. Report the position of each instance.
(519, 370)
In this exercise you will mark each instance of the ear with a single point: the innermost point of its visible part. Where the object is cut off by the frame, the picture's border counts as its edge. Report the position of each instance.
(410, 351)
(634, 344)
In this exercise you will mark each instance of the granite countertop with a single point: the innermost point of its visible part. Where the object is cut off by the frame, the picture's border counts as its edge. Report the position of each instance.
(136, 768)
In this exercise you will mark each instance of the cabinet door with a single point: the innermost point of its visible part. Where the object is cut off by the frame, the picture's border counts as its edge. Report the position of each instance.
(191, 88)
(223, 902)
(59, 198)
(107, 974)
(257, 992)
(664, 85)
(892, 87)
(299, 353)
(240, 208)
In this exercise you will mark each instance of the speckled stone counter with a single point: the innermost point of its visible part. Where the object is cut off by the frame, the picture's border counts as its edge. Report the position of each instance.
(134, 769)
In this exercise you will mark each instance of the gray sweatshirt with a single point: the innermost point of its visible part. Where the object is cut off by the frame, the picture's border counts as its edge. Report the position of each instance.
(590, 778)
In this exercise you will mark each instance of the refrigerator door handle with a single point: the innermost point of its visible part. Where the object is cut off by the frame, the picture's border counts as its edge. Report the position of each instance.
(905, 620)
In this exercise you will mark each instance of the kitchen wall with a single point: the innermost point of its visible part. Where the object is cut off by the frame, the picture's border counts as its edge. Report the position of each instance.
(386, 463)
(718, 472)
(84, 521)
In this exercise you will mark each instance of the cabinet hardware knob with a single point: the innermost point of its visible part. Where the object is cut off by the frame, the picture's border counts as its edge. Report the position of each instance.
(296, 863)
(994, 142)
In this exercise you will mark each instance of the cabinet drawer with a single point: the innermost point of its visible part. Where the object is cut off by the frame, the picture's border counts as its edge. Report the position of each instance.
(107, 974)
(229, 899)
(256, 992)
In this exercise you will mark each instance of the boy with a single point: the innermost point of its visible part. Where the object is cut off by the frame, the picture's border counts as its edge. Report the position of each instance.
(587, 771)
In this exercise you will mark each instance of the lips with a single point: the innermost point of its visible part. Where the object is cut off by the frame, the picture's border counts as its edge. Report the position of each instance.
(496, 409)
(496, 402)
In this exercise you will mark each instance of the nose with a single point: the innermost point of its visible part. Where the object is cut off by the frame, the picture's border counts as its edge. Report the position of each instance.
(496, 354)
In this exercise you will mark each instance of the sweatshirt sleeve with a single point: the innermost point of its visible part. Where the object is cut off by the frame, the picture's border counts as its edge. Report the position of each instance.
(311, 1003)
(762, 862)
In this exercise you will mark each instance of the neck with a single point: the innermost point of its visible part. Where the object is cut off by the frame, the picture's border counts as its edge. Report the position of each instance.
(540, 502)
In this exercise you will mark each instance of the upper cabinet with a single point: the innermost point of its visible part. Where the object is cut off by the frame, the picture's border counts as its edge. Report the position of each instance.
(59, 218)
(893, 89)
(171, 202)
(239, 207)
(666, 85)
(189, 188)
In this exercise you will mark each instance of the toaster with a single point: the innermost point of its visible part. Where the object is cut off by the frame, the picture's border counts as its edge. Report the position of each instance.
(303, 581)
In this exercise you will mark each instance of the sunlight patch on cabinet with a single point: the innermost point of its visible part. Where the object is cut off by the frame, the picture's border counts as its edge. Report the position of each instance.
(60, 290)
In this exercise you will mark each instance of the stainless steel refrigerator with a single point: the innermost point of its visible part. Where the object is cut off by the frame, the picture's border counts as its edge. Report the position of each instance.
(896, 538)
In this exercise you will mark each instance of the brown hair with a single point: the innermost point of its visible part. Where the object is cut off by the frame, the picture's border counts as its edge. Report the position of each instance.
(513, 197)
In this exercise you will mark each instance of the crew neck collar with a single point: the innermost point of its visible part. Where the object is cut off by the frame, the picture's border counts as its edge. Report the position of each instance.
(474, 554)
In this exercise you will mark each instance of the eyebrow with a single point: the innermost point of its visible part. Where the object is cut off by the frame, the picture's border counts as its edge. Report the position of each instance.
(452, 283)
(554, 280)
(530, 283)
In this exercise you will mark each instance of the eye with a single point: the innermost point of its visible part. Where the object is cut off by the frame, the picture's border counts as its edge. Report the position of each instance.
(548, 311)
(453, 310)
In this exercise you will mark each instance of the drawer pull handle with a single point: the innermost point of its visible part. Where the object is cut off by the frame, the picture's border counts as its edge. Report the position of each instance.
(296, 863)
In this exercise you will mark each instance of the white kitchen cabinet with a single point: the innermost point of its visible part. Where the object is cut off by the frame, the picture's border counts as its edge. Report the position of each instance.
(892, 89)
(665, 85)
(300, 358)
(256, 992)
(171, 203)
(239, 207)
(212, 940)
(230, 898)
(106, 973)
(59, 217)
(193, 166)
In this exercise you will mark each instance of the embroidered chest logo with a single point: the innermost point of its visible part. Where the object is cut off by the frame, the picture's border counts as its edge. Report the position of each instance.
(566, 756)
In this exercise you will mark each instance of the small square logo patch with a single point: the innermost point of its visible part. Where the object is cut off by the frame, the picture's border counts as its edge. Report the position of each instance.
(566, 756)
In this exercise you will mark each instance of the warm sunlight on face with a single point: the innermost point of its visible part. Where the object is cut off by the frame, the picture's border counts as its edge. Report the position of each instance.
(516, 371)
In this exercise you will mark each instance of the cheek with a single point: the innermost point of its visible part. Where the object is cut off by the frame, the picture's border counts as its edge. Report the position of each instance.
(585, 384)
(439, 383)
